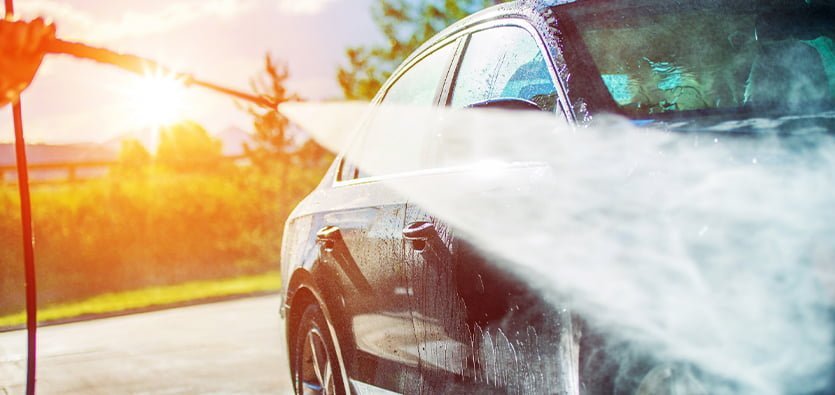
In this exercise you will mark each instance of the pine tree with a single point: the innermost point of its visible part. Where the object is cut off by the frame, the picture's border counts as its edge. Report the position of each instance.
(272, 141)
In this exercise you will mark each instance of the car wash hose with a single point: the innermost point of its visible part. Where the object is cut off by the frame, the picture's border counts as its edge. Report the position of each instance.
(139, 65)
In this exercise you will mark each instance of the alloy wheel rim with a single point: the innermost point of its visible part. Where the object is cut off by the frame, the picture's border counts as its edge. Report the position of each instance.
(317, 376)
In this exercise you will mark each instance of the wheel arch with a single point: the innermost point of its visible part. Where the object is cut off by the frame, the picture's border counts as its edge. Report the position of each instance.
(305, 293)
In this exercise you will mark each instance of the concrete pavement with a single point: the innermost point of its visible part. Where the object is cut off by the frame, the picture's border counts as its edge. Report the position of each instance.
(231, 347)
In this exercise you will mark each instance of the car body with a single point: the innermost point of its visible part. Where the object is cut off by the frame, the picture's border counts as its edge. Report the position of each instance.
(381, 296)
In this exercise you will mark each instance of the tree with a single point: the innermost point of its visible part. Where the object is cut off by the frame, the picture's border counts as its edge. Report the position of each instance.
(272, 140)
(186, 146)
(276, 148)
(406, 24)
(311, 154)
(133, 155)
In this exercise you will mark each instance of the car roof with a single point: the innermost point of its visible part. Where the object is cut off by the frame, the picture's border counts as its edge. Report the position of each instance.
(531, 9)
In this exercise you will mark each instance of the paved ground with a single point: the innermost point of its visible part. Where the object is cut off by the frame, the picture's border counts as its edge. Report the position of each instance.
(223, 348)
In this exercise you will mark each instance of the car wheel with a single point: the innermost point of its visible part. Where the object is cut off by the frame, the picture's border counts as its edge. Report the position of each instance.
(316, 368)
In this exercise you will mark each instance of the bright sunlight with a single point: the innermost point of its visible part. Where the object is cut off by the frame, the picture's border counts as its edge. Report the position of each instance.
(158, 99)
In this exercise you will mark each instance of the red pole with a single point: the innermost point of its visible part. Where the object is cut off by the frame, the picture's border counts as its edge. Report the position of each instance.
(28, 238)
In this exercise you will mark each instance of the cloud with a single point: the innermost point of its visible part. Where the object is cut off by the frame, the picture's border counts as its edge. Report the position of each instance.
(77, 23)
(302, 7)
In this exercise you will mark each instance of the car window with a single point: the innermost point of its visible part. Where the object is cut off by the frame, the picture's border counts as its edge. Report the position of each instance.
(504, 62)
(418, 86)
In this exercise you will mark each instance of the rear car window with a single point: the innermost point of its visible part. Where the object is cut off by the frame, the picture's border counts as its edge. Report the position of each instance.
(417, 86)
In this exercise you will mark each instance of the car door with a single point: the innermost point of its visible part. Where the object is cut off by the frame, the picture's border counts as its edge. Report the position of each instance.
(463, 306)
(362, 237)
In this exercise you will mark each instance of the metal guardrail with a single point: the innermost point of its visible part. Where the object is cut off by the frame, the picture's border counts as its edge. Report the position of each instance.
(73, 171)
(70, 169)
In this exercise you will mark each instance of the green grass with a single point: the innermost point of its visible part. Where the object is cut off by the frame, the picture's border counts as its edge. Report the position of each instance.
(150, 297)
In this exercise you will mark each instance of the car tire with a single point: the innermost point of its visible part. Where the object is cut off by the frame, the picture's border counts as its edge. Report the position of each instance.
(316, 367)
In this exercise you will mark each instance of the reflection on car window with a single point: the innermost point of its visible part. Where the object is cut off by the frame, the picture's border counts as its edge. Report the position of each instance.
(726, 61)
(504, 62)
(419, 84)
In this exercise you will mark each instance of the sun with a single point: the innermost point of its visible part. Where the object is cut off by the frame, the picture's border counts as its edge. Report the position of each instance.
(158, 99)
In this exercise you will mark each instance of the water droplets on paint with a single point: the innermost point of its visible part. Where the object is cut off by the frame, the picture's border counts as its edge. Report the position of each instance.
(667, 244)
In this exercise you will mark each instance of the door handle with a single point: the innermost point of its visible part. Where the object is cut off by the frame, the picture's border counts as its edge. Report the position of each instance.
(328, 236)
(419, 230)
(418, 233)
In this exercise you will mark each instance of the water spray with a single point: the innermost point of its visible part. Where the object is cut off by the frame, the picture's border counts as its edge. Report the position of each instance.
(697, 248)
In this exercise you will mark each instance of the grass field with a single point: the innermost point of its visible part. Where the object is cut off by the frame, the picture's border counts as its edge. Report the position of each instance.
(149, 298)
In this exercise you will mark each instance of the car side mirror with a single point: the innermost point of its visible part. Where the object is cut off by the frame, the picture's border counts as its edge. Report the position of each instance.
(507, 103)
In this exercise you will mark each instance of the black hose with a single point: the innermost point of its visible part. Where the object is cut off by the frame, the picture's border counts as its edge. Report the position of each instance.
(28, 250)
(28, 239)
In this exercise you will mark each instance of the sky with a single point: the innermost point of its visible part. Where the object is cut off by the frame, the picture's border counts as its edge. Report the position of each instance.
(221, 41)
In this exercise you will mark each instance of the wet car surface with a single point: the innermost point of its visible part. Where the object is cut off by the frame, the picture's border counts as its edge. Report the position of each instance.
(382, 296)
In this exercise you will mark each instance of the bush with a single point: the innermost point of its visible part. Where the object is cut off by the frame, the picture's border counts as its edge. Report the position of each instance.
(187, 147)
(153, 227)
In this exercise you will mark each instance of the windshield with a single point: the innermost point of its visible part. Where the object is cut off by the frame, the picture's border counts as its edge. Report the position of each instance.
(675, 59)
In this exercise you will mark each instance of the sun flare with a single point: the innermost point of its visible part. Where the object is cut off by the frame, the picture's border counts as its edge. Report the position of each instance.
(158, 99)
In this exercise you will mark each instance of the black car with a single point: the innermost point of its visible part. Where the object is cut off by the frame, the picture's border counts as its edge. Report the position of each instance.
(382, 296)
